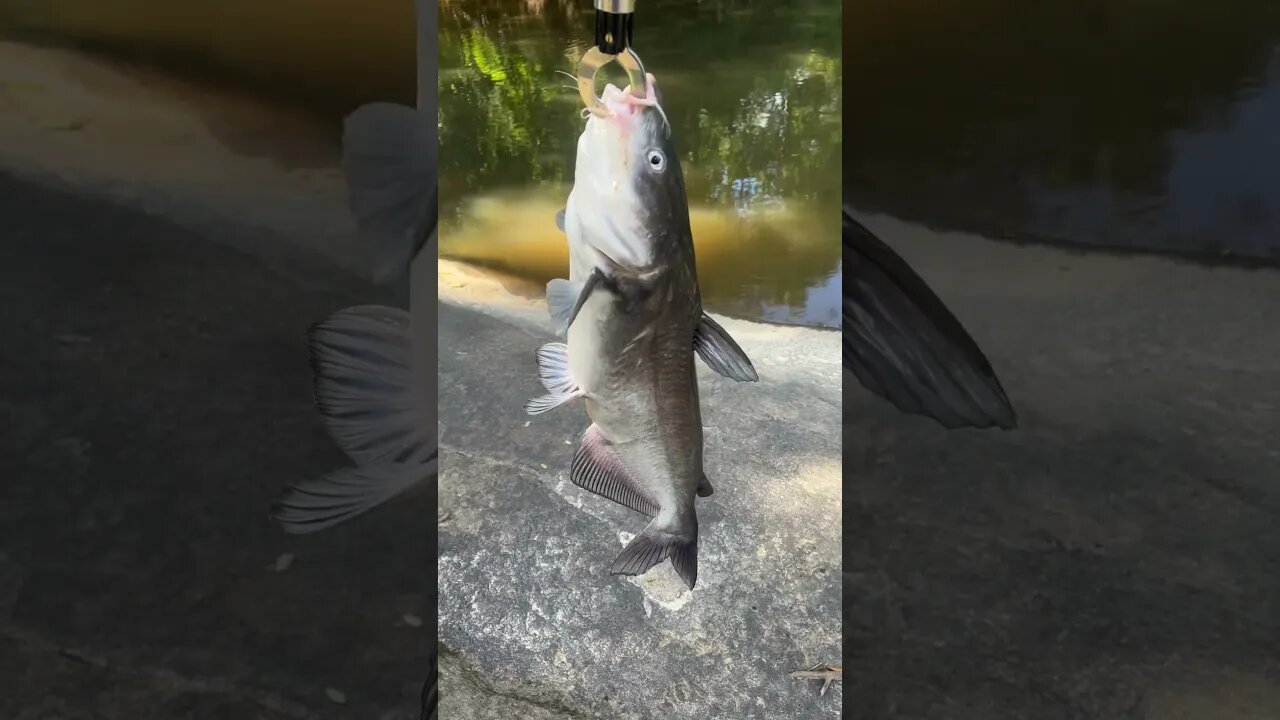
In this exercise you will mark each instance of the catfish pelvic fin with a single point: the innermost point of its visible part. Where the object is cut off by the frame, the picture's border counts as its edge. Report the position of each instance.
(553, 371)
(334, 498)
(361, 362)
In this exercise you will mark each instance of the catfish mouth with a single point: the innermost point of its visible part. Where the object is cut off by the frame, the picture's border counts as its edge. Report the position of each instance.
(624, 107)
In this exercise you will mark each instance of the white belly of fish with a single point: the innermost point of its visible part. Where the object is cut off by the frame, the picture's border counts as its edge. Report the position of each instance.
(586, 343)
(581, 257)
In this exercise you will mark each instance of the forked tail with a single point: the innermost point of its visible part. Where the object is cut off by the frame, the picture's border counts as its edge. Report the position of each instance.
(659, 541)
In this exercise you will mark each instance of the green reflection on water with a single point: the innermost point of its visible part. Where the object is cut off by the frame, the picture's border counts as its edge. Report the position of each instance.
(753, 91)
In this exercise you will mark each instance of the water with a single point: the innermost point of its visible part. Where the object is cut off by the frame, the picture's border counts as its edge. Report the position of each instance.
(753, 92)
(1105, 124)
(1099, 124)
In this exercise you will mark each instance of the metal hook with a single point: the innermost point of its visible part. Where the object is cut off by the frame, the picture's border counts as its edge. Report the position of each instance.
(591, 63)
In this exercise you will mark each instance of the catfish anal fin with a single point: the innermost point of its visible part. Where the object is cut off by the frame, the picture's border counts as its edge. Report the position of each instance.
(598, 469)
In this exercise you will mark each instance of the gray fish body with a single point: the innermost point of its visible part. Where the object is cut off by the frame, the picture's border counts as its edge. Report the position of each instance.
(629, 349)
(632, 317)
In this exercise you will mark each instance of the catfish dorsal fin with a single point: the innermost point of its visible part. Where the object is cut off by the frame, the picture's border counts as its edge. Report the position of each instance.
(718, 350)
(598, 469)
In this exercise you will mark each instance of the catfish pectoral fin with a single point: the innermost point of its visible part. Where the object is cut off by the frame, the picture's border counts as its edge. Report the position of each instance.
(565, 299)
(903, 344)
(562, 296)
(719, 351)
(387, 159)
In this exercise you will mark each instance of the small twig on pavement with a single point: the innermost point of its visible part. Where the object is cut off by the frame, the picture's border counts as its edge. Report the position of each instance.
(826, 673)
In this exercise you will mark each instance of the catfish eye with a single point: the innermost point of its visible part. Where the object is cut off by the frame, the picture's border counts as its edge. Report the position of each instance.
(657, 161)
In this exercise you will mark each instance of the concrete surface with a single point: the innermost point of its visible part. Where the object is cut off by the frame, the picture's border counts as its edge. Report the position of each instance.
(1117, 556)
(525, 593)
(154, 398)
(200, 156)
(468, 695)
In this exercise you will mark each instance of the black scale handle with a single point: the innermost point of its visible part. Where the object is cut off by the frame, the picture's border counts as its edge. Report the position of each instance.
(613, 31)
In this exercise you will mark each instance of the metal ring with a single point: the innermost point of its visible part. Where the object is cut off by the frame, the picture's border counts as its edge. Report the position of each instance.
(588, 66)
(630, 62)
(591, 63)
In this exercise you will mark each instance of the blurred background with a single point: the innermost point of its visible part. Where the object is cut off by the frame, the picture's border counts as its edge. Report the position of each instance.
(1128, 124)
(752, 88)
(174, 221)
(1147, 389)
(1093, 188)
(1098, 123)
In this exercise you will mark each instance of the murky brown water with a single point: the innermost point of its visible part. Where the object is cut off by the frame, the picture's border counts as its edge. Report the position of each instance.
(753, 93)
